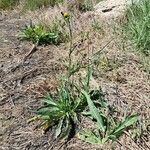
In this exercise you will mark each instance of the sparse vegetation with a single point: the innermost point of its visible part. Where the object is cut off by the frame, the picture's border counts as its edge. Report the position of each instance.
(72, 101)
(28, 4)
(35, 4)
(137, 26)
(78, 80)
(8, 4)
(107, 127)
(97, 26)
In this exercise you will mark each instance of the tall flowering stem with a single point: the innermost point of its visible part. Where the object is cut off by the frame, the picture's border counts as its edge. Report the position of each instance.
(67, 18)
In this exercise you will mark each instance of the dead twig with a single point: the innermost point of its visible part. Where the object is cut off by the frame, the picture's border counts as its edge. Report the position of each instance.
(33, 50)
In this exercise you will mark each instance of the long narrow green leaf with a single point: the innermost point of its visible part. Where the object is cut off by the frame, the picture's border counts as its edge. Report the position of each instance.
(49, 102)
(94, 112)
(128, 122)
(47, 111)
(43, 111)
(48, 99)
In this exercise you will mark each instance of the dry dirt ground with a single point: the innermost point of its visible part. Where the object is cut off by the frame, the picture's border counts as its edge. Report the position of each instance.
(22, 83)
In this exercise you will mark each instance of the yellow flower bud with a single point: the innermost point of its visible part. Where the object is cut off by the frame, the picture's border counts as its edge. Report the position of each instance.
(66, 15)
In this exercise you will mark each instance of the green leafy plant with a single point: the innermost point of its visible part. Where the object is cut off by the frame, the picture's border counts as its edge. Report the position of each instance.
(138, 25)
(63, 110)
(107, 127)
(41, 35)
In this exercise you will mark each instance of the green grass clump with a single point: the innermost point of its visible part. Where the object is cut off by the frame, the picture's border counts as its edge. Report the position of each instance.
(41, 35)
(138, 25)
(35, 4)
(8, 4)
